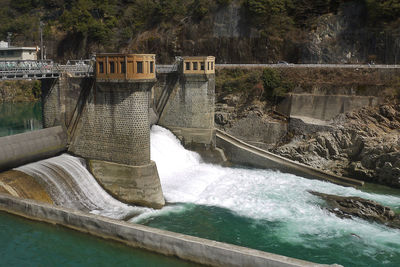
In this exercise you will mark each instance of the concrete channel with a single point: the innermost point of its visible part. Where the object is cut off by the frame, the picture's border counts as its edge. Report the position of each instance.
(185, 247)
(239, 152)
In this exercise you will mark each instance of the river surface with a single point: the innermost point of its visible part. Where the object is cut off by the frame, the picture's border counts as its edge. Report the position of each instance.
(265, 210)
(18, 118)
(28, 243)
(261, 209)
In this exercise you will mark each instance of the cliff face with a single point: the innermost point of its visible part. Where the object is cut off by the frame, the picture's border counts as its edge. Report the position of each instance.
(245, 31)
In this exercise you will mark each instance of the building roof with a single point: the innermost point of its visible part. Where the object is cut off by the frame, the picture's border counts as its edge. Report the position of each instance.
(18, 48)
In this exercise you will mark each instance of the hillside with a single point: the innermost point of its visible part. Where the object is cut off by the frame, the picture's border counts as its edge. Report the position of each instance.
(247, 31)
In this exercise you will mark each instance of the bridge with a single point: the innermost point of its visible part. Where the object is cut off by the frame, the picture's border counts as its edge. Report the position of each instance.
(30, 69)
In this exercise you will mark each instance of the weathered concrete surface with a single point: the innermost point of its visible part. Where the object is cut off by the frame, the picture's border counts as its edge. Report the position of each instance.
(130, 184)
(114, 124)
(190, 248)
(32, 146)
(194, 136)
(19, 184)
(238, 152)
(325, 107)
(190, 106)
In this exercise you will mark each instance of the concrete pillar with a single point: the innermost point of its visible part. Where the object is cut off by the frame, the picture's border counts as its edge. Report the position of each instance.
(114, 135)
(189, 112)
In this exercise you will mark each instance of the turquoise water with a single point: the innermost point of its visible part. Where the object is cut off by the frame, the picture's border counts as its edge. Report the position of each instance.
(266, 210)
(28, 243)
(17, 118)
(261, 209)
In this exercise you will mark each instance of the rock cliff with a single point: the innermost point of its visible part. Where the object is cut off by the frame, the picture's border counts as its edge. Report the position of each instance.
(363, 144)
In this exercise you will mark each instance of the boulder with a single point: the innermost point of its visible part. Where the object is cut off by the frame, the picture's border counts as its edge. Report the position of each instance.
(349, 207)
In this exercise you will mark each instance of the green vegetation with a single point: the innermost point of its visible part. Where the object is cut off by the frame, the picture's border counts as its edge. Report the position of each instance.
(20, 91)
(85, 26)
(274, 85)
(263, 84)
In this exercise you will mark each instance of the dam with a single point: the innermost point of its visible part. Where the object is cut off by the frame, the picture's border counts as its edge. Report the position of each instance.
(266, 210)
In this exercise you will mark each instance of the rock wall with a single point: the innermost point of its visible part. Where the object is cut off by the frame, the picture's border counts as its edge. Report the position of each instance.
(363, 144)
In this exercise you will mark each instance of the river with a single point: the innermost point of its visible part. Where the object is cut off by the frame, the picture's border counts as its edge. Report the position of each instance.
(261, 209)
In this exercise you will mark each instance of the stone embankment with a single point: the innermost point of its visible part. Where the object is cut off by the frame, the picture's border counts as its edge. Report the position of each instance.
(363, 144)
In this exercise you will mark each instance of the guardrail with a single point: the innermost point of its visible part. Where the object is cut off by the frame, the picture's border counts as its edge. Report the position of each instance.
(291, 65)
(167, 68)
(42, 69)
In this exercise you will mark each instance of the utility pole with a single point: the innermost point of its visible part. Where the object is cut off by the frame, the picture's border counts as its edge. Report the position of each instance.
(9, 34)
(41, 39)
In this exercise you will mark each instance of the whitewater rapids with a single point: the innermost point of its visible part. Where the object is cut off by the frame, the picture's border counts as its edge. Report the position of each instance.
(262, 195)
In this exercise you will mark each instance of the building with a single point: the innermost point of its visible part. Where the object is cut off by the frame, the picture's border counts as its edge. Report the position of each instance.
(8, 52)
(111, 66)
(199, 65)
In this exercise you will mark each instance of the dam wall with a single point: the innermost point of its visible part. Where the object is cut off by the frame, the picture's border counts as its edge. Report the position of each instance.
(19, 149)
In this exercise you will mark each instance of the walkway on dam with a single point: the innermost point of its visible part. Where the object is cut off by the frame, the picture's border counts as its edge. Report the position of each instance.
(20, 70)
(241, 153)
(32, 69)
(292, 65)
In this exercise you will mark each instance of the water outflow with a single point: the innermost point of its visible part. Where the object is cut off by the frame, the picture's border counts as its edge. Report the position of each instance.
(71, 185)
(267, 198)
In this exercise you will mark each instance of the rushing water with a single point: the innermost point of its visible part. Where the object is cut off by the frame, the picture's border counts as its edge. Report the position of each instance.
(71, 185)
(20, 117)
(261, 209)
(265, 210)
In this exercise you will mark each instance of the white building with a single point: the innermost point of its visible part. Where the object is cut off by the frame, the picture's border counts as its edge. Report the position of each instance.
(17, 53)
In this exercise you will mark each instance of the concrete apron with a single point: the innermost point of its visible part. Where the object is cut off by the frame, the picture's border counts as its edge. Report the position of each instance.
(185, 247)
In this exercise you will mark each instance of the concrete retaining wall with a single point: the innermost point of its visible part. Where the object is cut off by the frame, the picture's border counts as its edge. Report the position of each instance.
(190, 105)
(238, 152)
(190, 248)
(325, 107)
(32, 146)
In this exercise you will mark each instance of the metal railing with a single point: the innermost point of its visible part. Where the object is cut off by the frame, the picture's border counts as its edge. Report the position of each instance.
(30, 69)
(291, 65)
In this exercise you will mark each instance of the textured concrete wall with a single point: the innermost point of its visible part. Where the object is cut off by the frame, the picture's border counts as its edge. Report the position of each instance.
(60, 98)
(185, 247)
(19, 149)
(138, 185)
(191, 106)
(325, 107)
(51, 106)
(115, 124)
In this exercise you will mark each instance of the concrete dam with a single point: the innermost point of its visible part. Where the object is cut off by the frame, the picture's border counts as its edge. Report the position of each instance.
(116, 158)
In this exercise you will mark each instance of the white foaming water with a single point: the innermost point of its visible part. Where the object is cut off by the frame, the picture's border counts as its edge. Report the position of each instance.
(261, 195)
(71, 185)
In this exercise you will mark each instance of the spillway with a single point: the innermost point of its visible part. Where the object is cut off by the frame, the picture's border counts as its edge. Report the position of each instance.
(264, 209)
(71, 185)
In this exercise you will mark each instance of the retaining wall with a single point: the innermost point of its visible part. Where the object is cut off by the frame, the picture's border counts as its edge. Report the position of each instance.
(238, 152)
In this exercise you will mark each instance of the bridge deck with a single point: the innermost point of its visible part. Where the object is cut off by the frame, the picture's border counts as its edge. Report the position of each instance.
(19, 70)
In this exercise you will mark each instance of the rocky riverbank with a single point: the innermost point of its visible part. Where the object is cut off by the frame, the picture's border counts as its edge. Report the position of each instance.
(349, 207)
(363, 144)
